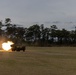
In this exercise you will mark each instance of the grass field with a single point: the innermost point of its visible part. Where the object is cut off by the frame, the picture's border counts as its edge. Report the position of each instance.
(39, 61)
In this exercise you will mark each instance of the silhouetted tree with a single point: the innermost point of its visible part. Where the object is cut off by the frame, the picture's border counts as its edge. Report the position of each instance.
(53, 32)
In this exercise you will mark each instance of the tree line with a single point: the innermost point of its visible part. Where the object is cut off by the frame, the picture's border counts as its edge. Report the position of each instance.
(37, 35)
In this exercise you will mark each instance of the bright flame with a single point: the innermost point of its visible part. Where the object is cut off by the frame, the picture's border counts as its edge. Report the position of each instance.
(7, 45)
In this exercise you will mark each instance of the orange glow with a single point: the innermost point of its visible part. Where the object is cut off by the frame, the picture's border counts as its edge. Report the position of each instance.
(7, 45)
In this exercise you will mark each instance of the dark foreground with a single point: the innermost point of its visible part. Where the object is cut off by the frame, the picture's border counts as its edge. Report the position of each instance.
(39, 61)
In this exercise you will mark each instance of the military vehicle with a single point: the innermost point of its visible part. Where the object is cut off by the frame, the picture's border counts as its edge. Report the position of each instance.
(18, 48)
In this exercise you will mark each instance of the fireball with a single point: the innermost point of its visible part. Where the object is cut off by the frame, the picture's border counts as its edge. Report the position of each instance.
(7, 45)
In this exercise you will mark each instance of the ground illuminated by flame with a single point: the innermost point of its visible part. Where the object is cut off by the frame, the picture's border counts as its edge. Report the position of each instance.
(7, 45)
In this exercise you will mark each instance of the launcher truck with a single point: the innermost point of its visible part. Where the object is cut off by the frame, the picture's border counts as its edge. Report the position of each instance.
(18, 48)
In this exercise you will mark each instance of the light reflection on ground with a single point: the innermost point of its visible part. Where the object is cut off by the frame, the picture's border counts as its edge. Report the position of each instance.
(5, 51)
